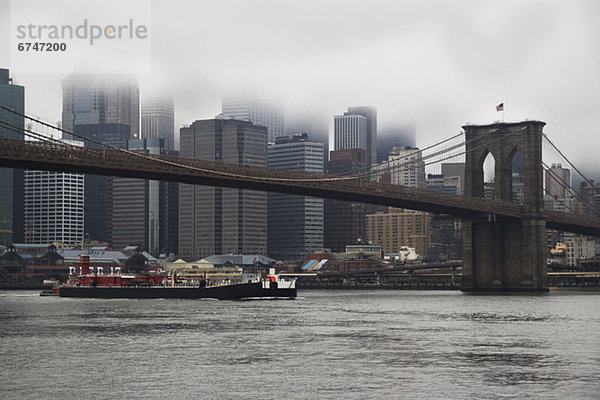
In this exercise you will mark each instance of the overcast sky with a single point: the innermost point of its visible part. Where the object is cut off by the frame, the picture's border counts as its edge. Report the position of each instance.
(437, 64)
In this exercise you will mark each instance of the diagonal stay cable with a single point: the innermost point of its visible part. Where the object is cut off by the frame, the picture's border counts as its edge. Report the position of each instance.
(367, 169)
(566, 186)
(569, 161)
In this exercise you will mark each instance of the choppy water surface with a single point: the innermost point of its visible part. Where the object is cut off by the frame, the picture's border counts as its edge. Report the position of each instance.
(326, 344)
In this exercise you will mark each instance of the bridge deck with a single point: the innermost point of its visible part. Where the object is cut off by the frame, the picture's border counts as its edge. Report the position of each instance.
(54, 157)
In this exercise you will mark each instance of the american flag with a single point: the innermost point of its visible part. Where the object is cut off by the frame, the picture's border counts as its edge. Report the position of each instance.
(500, 107)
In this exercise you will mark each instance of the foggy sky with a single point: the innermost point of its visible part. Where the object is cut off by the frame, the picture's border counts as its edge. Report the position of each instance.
(437, 64)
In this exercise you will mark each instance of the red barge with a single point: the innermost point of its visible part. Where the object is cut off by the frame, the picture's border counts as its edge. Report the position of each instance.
(95, 283)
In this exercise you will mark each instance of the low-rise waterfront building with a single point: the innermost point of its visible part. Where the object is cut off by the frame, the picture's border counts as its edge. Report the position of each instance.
(33, 263)
(368, 249)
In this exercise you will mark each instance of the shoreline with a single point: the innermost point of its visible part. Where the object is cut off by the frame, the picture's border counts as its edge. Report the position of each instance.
(351, 286)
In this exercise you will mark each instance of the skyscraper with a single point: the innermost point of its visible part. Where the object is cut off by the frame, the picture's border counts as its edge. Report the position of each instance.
(97, 99)
(454, 175)
(370, 113)
(144, 212)
(54, 206)
(445, 234)
(256, 110)
(345, 222)
(216, 220)
(557, 180)
(98, 194)
(158, 119)
(388, 138)
(357, 129)
(590, 197)
(11, 180)
(295, 223)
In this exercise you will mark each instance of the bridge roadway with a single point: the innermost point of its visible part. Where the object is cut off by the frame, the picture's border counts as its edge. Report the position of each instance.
(55, 157)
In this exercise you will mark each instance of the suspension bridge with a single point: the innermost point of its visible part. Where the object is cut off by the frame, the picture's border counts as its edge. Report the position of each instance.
(504, 239)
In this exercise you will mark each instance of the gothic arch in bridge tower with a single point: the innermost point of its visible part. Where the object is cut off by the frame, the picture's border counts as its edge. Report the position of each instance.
(484, 174)
(504, 254)
(516, 161)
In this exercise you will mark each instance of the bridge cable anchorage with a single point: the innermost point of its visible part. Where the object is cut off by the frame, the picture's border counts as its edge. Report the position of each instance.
(184, 166)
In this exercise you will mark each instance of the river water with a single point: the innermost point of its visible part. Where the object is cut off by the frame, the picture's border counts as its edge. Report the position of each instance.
(325, 345)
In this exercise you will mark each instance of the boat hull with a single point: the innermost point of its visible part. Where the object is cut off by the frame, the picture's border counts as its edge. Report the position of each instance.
(228, 292)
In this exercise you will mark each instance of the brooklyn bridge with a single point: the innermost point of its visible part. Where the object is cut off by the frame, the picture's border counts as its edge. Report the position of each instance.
(504, 245)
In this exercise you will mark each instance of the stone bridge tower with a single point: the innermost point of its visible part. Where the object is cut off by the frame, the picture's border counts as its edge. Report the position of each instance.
(503, 254)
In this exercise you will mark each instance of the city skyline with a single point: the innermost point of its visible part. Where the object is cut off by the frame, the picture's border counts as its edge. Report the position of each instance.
(100, 99)
(116, 134)
(421, 178)
(437, 65)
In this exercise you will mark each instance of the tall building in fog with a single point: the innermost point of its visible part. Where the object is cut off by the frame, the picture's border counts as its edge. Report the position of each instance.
(370, 113)
(98, 99)
(54, 206)
(217, 220)
(357, 129)
(295, 223)
(98, 202)
(158, 119)
(100, 110)
(11, 180)
(256, 110)
(144, 212)
(388, 138)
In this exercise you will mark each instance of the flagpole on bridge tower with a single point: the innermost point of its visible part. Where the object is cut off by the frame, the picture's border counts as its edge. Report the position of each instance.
(500, 107)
